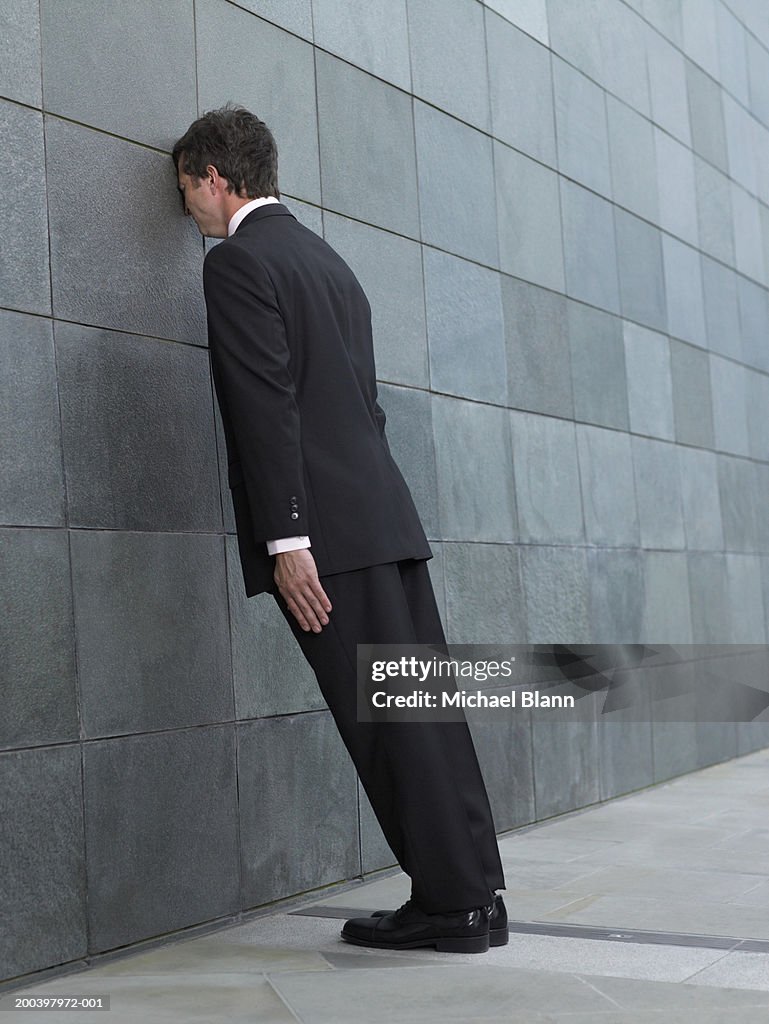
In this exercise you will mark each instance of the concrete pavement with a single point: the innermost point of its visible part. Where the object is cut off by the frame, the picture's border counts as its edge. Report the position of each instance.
(653, 907)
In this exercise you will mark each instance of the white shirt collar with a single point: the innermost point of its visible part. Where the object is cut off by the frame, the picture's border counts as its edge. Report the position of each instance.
(238, 215)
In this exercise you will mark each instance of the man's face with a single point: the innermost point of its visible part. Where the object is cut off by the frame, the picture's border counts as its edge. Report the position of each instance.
(204, 201)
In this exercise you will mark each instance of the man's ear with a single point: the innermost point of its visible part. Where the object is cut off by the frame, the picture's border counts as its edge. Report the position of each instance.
(215, 182)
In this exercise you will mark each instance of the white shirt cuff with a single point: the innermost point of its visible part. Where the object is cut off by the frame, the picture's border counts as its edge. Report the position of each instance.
(275, 547)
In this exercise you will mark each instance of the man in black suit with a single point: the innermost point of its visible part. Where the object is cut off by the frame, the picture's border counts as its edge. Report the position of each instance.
(326, 523)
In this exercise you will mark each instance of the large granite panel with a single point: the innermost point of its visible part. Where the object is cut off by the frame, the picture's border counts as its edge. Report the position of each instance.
(43, 882)
(528, 219)
(447, 43)
(715, 217)
(665, 17)
(722, 314)
(138, 432)
(538, 356)
(698, 473)
(676, 187)
(737, 480)
(375, 35)
(633, 169)
(519, 66)
(666, 67)
(709, 598)
(616, 595)
(641, 272)
(20, 52)
(707, 116)
(565, 753)
(547, 492)
(658, 493)
(272, 73)
(625, 747)
(484, 595)
(700, 33)
(746, 603)
(137, 265)
(122, 84)
(729, 397)
(589, 247)
(683, 291)
(504, 747)
(753, 302)
(649, 381)
(748, 240)
(474, 463)
(465, 328)
(528, 15)
(757, 413)
(389, 268)
(624, 42)
(294, 15)
(758, 77)
(40, 701)
(666, 615)
(739, 127)
(367, 153)
(598, 367)
(730, 43)
(454, 214)
(692, 401)
(581, 128)
(161, 828)
(24, 280)
(151, 622)
(280, 763)
(608, 488)
(409, 432)
(269, 670)
(556, 584)
(30, 456)
(575, 34)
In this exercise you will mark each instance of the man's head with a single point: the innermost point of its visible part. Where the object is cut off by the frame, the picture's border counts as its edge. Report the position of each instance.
(224, 159)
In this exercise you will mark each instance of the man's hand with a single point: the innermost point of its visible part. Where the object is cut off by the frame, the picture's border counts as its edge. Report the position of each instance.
(298, 583)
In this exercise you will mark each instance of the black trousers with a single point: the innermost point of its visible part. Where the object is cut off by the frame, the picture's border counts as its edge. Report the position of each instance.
(422, 778)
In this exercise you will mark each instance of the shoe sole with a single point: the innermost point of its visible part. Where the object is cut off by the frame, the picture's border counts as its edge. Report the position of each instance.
(455, 944)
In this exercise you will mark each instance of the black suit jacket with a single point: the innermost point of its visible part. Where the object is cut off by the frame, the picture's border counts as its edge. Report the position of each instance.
(289, 331)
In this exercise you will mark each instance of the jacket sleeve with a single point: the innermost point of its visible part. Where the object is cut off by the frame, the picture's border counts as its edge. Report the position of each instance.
(250, 363)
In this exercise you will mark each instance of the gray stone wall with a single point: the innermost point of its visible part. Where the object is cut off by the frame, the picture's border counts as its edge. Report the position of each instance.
(560, 213)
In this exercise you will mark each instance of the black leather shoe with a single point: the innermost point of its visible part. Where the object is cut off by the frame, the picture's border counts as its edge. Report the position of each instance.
(409, 927)
(499, 933)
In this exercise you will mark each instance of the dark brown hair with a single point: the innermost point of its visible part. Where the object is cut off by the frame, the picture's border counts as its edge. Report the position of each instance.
(240, 147)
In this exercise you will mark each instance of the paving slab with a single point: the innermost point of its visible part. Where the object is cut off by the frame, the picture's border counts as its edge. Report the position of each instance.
(178, 998)
(648, 908)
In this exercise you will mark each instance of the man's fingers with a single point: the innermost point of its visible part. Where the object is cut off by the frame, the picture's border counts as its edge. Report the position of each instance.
(313, 610)
(297, 578)
(320, 594)
(307, 608)
(317, 600)
(296, 611)
(300, 587)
